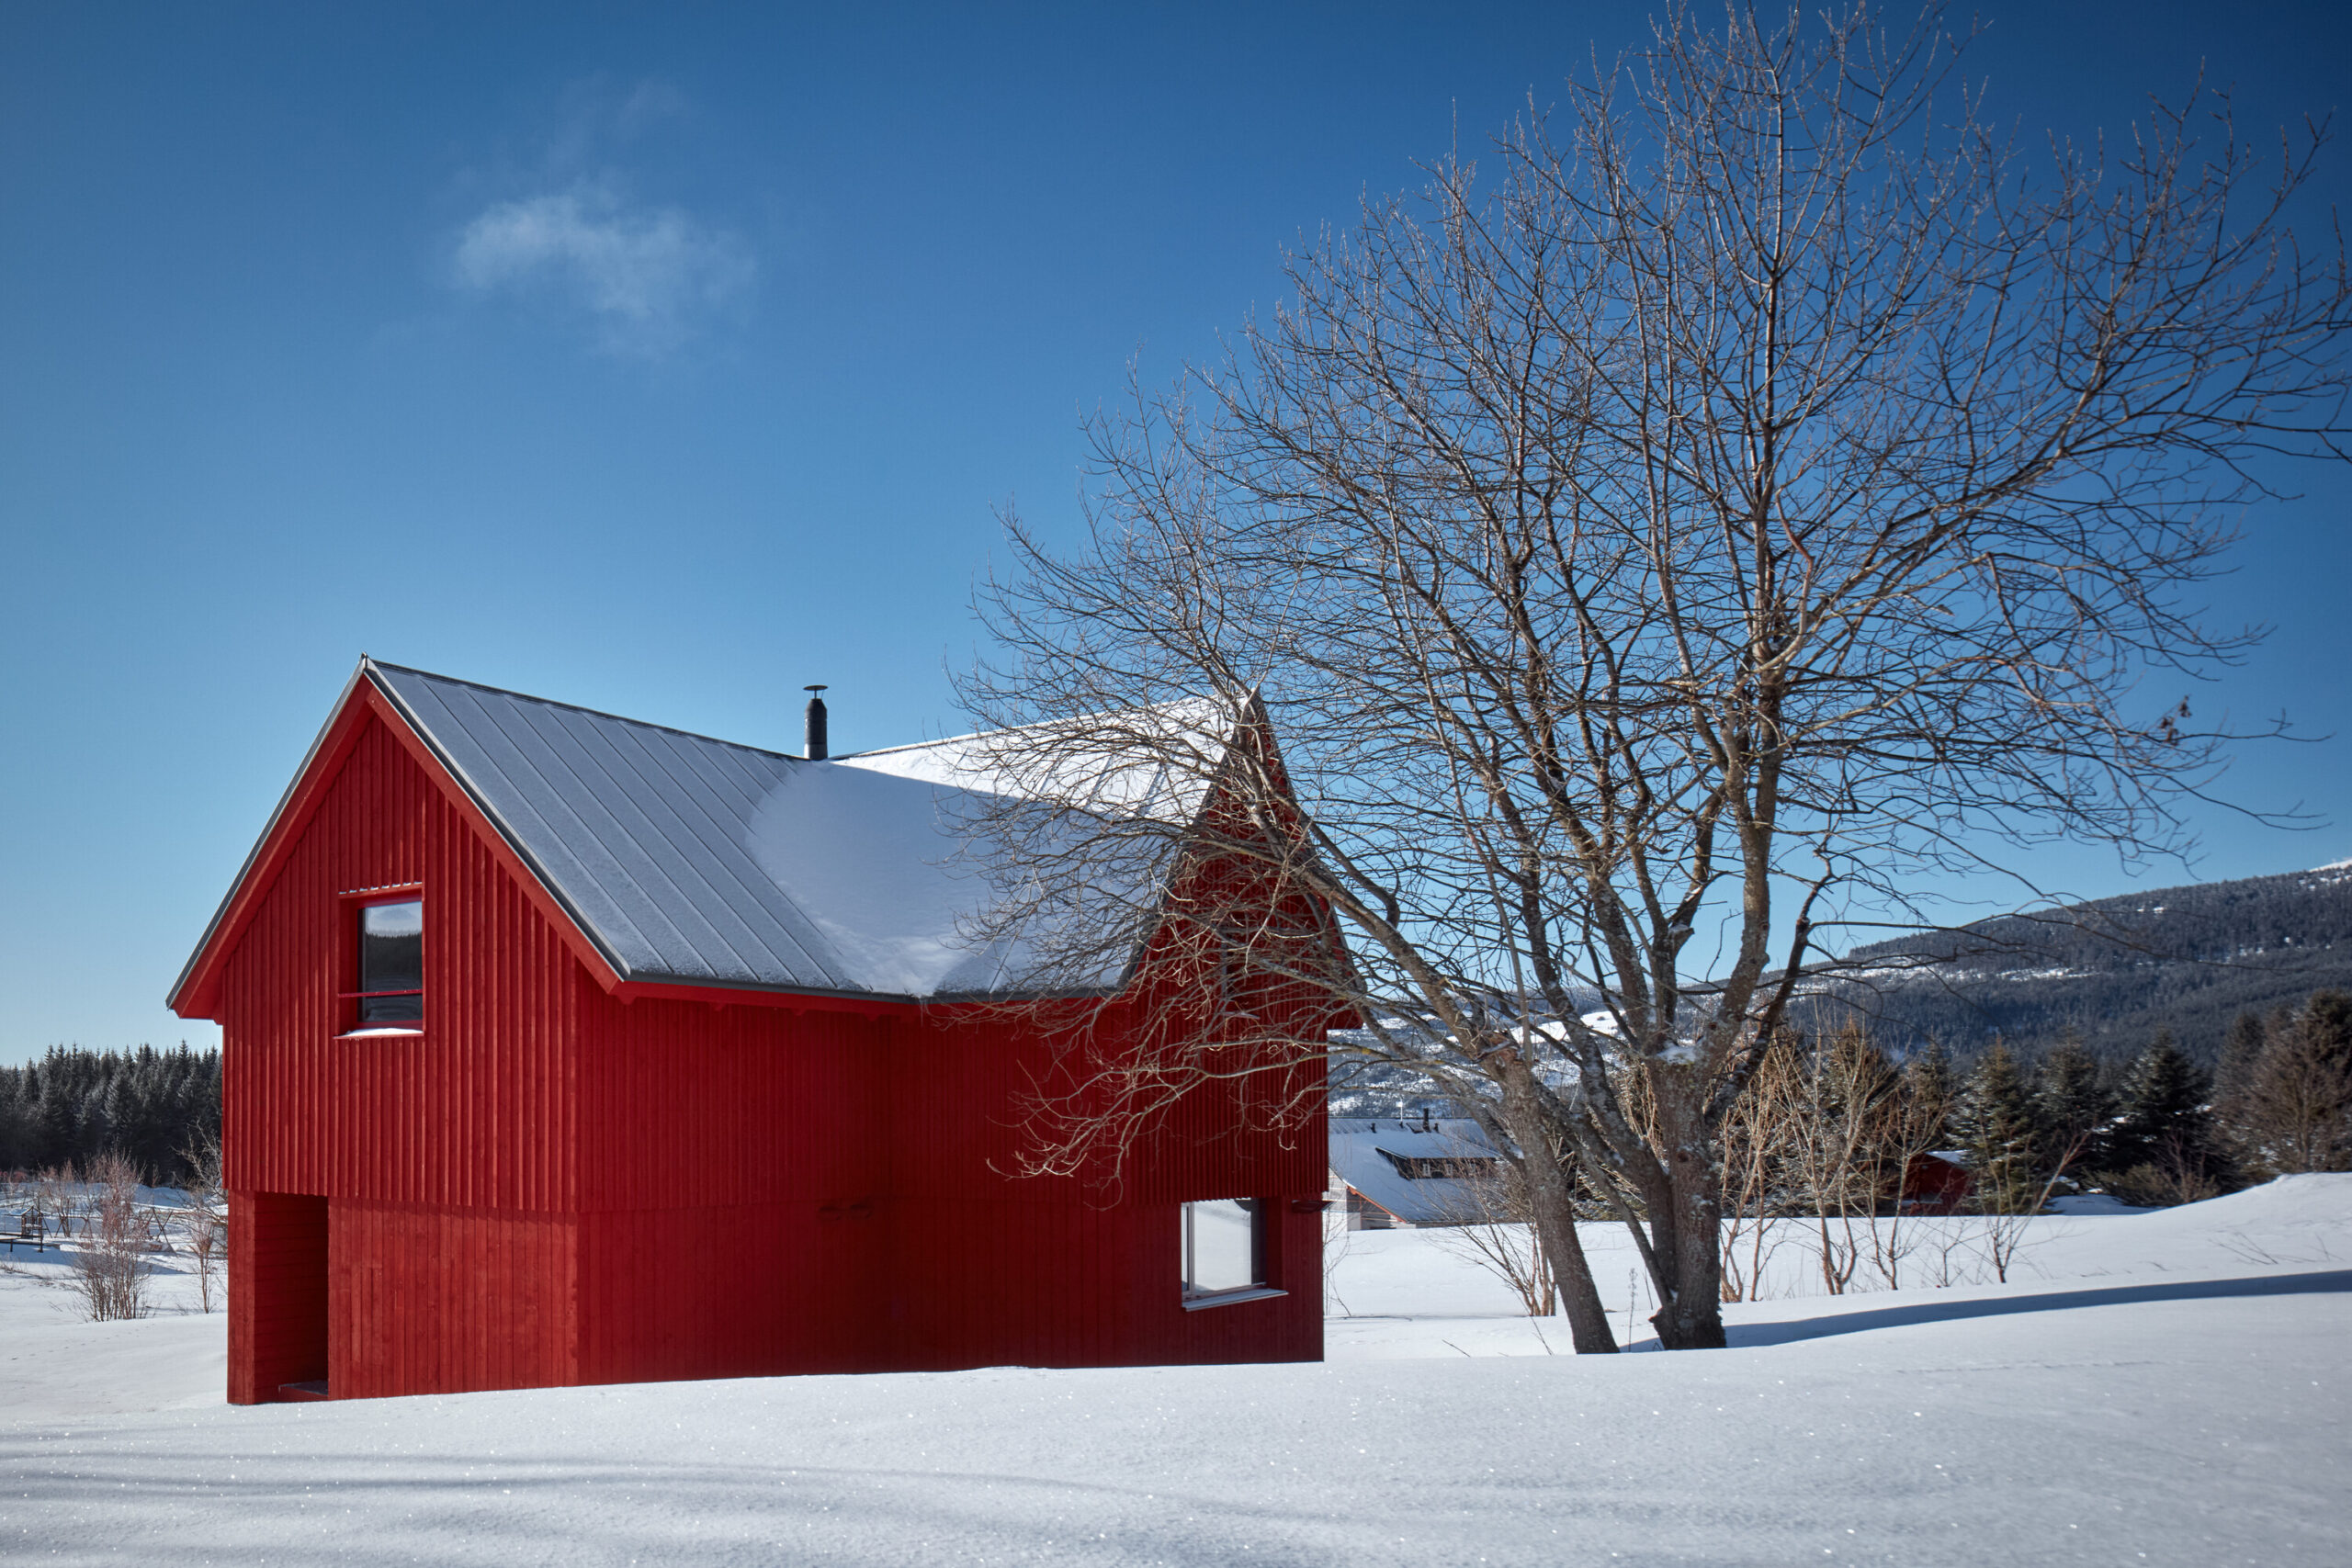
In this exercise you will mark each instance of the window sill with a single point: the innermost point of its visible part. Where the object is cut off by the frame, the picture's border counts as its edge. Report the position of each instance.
(380, 1032)
(1231, 1298)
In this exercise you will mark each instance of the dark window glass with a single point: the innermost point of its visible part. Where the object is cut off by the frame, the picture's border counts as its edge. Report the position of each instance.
(391, 963)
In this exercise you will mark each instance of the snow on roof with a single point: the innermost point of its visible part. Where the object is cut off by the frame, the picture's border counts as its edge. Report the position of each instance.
(693, 861)
(1373, 1155)
(1078, 769)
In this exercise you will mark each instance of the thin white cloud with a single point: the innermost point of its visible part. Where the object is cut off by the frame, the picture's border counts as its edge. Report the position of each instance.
(646, 277)
(651, 102)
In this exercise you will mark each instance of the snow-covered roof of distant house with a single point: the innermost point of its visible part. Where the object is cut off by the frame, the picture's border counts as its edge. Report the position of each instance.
(698, 862)
(1400, 1165)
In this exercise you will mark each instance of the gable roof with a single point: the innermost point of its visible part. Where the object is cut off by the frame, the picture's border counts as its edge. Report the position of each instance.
(686, 860)
(1373, 1155)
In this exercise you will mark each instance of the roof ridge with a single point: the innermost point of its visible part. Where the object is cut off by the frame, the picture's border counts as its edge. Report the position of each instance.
(1017, 729)
(576, 708)
(369, 661)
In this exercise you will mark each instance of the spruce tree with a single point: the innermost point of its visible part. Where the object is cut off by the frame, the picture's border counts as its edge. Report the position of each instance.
(2240, 1048)
(59, 1128)
(1932, 1089)
(2073, 1107)
(15, 1126)
(2164, 1126)
(1997, 1126)
(2329, 1017)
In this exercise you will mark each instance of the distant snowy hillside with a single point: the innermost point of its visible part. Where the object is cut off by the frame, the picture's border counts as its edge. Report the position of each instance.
(2115, 970)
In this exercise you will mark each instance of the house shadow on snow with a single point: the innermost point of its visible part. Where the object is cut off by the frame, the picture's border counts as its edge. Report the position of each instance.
(2326, 1282)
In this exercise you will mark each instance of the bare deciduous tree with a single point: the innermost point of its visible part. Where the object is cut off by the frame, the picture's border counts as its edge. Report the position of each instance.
(1485, 1220)
(2292, 1107)
(1824, 1137)
(1835, 1132)
(1761, 487)
(204, 1222)
(109, 1262)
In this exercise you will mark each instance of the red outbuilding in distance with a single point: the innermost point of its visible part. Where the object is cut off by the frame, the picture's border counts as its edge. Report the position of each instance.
(561, 1048)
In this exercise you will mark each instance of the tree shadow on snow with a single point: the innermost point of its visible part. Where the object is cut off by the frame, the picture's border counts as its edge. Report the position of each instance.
(2328, 1282)
(378, 1506)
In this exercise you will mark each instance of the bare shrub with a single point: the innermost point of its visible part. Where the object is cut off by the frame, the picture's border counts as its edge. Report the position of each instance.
(2176, 1172)
(1755, 1156)
(2007, 1223)
(1488, 1221)
(1912, 1124)
(1949, 1247)
(1835, 1128)
(1823, 1138)
(109, 1273)
(1337, 1241)
(51, 1194)
(204, 1223)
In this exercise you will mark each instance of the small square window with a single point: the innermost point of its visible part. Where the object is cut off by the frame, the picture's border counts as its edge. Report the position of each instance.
(1224, 1246)
(391, 963)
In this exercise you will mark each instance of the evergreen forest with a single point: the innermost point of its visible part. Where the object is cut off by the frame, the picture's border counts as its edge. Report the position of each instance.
(2157, 1127)
(74, 1105)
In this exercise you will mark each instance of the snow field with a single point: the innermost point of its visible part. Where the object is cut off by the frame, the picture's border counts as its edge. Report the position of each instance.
(2164, 1388)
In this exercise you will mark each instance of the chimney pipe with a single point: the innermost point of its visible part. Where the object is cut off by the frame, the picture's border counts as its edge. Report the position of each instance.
(816, 748)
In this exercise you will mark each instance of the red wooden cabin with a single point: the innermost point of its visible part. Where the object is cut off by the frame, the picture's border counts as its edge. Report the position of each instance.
(565, 1049)
(1935, 1184)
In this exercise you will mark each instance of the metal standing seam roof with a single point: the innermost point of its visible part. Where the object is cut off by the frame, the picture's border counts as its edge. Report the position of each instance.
(693, 861)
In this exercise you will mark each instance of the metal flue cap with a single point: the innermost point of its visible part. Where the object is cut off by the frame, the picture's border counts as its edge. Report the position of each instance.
(816, 746)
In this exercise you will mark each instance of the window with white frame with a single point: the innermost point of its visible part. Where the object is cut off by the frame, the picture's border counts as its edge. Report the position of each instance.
(1224, 1247)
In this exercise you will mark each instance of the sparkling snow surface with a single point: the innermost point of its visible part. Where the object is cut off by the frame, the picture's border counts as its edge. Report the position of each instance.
(2150, 1388)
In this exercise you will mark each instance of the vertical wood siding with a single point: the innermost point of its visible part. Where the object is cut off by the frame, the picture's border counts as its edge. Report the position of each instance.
(734, 1157)
(473, 1112)
(993, 1268)
(429, 1299)
(278, 1300)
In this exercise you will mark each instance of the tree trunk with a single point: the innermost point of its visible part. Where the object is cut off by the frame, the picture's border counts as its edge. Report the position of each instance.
(1551, 1205)
(1690, 1253)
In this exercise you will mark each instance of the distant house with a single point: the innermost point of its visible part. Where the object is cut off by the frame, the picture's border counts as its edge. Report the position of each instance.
(1936, 1183)
(1414, 1171)
(562, 1048)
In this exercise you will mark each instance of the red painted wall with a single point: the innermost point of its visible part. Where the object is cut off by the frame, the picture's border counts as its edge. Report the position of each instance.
(477, 1111)
(278, 1300)
(428, 1299)
(552, 1185)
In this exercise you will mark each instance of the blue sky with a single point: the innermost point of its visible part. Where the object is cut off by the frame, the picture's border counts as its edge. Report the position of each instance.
(664, 358)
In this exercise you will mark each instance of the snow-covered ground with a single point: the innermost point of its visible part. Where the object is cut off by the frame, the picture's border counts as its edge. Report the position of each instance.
(2173, 1387)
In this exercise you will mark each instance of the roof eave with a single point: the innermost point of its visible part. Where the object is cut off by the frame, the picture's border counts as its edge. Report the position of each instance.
(178, 998)
(762, 993)
(196, 993)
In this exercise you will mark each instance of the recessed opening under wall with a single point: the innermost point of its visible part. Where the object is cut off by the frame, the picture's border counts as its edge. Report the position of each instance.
(288, 1286)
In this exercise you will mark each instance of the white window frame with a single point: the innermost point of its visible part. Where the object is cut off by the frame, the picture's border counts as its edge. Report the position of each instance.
(1259, 1240)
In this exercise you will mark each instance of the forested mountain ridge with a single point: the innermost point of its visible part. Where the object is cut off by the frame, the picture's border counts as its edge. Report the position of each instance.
(2113, 970)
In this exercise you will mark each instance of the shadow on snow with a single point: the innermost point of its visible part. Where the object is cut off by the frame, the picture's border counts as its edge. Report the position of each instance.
(2330, 1282)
